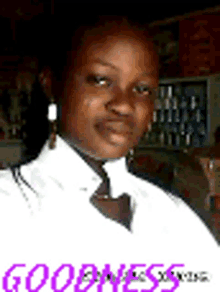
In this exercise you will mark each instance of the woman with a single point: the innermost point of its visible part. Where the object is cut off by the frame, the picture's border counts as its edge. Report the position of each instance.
(107, 89)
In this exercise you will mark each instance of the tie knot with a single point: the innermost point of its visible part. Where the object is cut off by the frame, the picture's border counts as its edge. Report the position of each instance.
(101, 171)
(104, 189)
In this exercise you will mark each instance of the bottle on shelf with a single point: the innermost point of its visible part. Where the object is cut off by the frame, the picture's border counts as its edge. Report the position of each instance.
(170, 91)
(170, 115)
(185, 116)
(201, 128)
(189, 134)
(174, 132)
(158, 104)
(200, 114)
(190, 128)
(175, 103)
(155, 116)
(161, 116)
(179, 117)
(176, 116)
(168, 98)
(188, 140)
(182, 133)
(168, 127)
(148, 134)
(182, 128)
(162, 138)
(177, 140)
(193, 102)
(201, 132)
(162, 92)
(183, 102)
(170, 139)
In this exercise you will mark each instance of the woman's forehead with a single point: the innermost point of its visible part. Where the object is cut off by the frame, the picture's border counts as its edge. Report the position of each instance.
(117, 47)
(101, 43)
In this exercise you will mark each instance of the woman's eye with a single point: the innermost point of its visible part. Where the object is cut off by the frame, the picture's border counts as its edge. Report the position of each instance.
(99, 81)
(142, 89)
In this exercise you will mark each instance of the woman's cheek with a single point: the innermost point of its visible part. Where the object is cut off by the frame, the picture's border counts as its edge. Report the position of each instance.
(144, 117)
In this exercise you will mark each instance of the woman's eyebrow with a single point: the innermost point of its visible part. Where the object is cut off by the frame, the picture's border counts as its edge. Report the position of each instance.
(107, 64)
(103, 63)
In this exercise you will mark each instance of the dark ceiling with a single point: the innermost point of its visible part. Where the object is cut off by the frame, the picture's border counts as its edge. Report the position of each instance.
(46, 30)
(144, 11)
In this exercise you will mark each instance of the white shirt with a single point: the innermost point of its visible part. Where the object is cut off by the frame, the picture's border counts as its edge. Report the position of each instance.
(56, 223)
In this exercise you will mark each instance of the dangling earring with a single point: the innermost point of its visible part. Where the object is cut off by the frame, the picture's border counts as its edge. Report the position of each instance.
(52, 117)
(130, 157)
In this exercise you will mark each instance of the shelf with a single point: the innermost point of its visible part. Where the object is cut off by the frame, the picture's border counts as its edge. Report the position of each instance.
(188, 79)
(186, 113)
(165, 147)
(12, 142)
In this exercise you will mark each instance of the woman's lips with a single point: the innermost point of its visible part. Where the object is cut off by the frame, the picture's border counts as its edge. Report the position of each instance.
(116, 132)
(117, 127)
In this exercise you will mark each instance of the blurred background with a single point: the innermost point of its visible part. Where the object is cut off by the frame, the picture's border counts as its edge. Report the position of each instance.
(181, 149)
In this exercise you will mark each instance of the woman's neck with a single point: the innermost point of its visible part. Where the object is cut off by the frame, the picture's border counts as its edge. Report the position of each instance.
(96, 165)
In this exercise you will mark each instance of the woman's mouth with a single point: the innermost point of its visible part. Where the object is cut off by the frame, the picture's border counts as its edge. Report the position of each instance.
(117, 127)
(116, 132)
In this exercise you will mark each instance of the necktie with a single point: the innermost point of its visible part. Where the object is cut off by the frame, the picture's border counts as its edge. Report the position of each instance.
(116, 209)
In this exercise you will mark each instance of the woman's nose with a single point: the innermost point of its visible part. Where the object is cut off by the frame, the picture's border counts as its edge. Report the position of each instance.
(122, 103)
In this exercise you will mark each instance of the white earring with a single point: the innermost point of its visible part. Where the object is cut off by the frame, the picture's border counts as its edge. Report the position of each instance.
(52, 117)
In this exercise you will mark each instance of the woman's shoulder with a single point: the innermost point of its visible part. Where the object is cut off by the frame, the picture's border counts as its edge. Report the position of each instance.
(158, 195)
(153, 188)
(7, 183)
(11, 200)
(9, 178)
(172, 210)
(16, 182)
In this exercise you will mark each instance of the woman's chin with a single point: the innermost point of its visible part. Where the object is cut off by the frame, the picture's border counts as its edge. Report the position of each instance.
(109, 152)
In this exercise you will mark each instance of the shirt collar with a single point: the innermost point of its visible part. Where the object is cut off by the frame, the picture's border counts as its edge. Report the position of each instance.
(66, 166)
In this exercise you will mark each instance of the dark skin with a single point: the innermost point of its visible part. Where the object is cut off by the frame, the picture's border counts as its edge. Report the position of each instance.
(108, 95)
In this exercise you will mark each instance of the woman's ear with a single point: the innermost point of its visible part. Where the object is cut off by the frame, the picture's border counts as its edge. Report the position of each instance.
(45, 79)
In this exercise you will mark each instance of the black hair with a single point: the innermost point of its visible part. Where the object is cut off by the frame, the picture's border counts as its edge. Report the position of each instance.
(61, 41)
(217, 135)
(37, 132)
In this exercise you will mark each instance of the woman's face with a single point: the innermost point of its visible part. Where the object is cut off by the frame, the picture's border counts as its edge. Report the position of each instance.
(108, 101)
